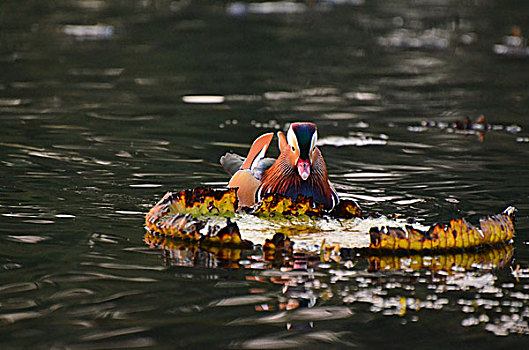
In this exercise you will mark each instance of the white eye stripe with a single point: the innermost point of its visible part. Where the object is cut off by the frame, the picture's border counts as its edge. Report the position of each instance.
(313, 141)
(292, 139)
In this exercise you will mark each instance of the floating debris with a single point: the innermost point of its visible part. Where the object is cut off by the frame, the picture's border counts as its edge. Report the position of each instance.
(480, 124)
(466, 126)
(514, 45)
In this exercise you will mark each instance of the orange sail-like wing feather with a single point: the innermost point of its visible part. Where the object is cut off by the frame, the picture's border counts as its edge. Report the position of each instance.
(258, 150)
(243, 179)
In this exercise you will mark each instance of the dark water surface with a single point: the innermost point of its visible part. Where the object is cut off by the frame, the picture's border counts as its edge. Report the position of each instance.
(95, 130)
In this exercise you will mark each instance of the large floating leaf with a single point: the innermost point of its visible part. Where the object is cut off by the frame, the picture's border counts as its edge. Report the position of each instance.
(199, 216)
(177, 215)
(458, 234)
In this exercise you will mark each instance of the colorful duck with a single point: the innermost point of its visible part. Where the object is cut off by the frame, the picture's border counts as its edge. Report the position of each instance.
(299, 169)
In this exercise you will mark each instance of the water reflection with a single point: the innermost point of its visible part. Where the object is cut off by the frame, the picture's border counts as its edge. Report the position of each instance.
(89, 32)
(430, 39)
(183, 253)
(489, 258)
(392, 285)
(295, 339)
(203, 99)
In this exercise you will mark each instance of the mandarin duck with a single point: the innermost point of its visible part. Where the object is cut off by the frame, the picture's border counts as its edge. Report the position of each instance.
(298, 170)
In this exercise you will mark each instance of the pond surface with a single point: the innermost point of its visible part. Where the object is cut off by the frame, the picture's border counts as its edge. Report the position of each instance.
(95, 129)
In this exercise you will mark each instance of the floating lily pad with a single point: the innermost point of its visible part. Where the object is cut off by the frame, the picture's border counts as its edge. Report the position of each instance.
(207, 217)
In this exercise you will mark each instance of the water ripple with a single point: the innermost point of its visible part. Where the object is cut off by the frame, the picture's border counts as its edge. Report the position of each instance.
(18, 287)
(320, 313)
(242, 300)
(203, 99)
(115, 266)
(89, 32)
(107, 72)
(136, 342)
(71, 293)
(114, 333)
(340, 141)
(84, 276)
(28, 238)
(293, 340)
(132, 118)
(19, 316)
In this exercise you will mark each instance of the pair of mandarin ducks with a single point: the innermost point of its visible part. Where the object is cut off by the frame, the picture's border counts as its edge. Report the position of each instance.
(298, 170)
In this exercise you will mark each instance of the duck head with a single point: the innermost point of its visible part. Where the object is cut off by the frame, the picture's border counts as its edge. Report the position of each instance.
(300, 168)
(301, 139)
